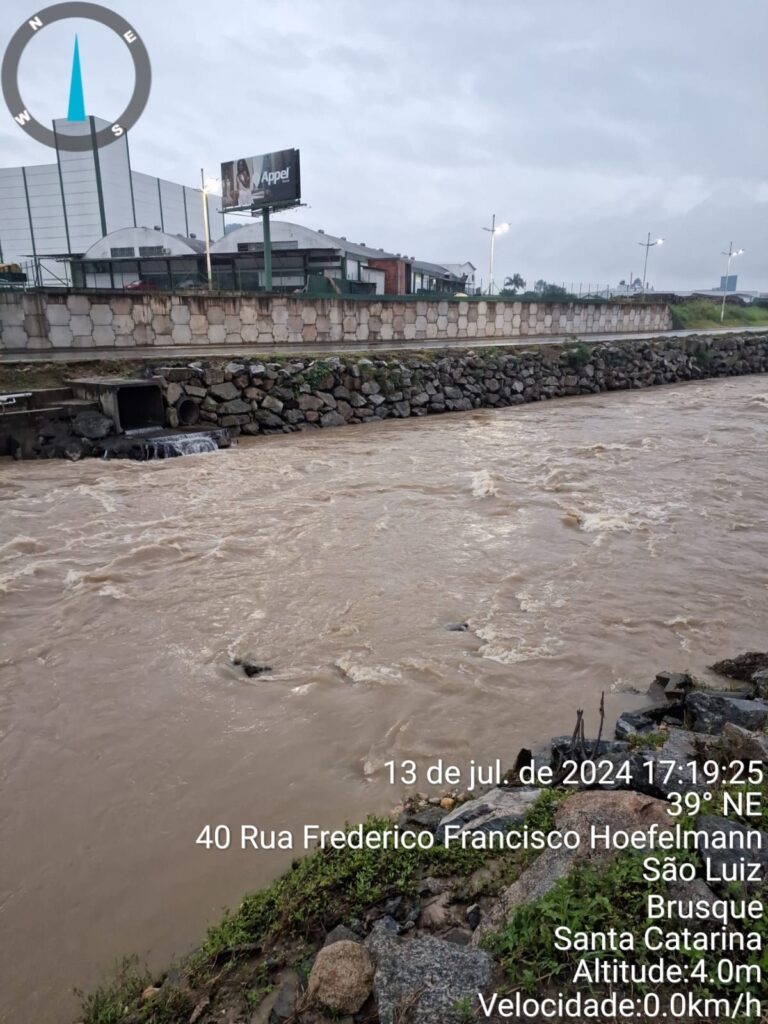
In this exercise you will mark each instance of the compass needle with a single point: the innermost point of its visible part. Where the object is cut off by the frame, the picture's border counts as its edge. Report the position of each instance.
(76, 96)
(75, 141)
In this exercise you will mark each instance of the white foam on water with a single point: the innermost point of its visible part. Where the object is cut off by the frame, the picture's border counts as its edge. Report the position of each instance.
(523, 651)
(507, 649)
(97, 493)
(625, 519)
(19, 546)
(484, 485)
(8, 579)
(548, 596)
(356, 672)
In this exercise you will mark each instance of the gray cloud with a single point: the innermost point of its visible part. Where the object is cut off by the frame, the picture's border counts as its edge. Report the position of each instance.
(584, 124)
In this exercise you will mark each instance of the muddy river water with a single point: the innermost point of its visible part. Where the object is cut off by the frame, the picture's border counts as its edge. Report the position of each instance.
(587, 542)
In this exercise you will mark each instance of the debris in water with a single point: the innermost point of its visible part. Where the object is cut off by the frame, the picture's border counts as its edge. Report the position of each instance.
(250, 668)
(457, 627)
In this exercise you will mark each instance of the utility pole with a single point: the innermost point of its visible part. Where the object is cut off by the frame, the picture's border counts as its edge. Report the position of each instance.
(493, 241)
(730, 254)
(648, 245)
(494, 230)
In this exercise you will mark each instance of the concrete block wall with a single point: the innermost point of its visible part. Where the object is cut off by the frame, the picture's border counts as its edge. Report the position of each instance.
(104, 320)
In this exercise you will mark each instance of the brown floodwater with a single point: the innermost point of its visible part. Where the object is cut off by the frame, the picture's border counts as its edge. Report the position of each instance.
(588, 543)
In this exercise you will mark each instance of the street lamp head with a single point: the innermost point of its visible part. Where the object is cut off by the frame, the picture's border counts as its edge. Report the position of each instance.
(659, 241)
(502, 228)
(211, 184)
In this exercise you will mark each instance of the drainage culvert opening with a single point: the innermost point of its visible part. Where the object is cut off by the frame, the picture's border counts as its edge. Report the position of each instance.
(188, 412)
(140, 406)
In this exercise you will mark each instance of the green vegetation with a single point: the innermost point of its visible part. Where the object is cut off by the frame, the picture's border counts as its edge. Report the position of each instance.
(577, 355)
(121, 995)
(319, 891)
(260, 986)
(512, 285)
(332, 886)
(596, 899)
(705, 314)
(317, 373)
(647, 740)
(465, 1009)
(28, 376)
(328, 887)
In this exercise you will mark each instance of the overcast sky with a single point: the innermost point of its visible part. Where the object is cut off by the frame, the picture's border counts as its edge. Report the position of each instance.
(583, 123)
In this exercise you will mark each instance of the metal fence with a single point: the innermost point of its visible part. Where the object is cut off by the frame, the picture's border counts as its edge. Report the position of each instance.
(162, 276)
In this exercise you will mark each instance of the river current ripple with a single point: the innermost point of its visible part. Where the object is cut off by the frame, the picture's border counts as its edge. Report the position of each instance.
(587, 543)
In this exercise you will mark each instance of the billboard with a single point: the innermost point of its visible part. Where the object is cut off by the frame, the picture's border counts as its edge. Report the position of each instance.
(253, 182)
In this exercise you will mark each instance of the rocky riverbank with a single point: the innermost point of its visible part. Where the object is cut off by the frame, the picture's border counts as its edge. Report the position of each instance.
(428, 933)
(301, 393)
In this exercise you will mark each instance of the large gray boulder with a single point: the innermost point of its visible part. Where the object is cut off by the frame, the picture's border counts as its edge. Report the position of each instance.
(422, 980)
(332, 419)
(674, 685)
(743, 667)
(745, 745)
(760, 683)
(92, 425)
(634, 812)
(499, 809)
(724, 866)
(708, 712)
(225, 392)
(680, 747)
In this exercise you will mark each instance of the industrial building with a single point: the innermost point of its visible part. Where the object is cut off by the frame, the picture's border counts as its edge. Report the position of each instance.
(89, 220)
(52, 215)
(302, 259)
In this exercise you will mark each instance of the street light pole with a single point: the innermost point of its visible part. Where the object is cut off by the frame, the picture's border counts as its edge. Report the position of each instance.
(207, 230)
(493, 243)
(647, 245)
(730, 254)
(494, 230)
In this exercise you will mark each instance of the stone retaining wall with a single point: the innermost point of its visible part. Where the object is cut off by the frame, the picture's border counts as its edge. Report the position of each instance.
(103, 320)
(272, 397)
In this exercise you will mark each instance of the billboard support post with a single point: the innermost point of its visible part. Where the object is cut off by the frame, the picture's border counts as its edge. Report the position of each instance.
(267, 249)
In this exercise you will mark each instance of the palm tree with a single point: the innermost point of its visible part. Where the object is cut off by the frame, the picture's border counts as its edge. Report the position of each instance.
(514, 284)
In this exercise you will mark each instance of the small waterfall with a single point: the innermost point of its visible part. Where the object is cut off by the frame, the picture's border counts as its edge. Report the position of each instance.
(173, 445)
(144, 444)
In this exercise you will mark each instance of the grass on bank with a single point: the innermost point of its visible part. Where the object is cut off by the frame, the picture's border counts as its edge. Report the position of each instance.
(119, 1000)
(327, 888)
(704, 313)
(320, 891)
(596, 898)
(330, 887)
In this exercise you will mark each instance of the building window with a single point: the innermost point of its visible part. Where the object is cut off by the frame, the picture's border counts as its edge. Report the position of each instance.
(150, 250)
(126, 250)
(248, 246)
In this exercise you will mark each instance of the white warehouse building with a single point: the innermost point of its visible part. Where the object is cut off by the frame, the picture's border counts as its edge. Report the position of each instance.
(52, 213)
